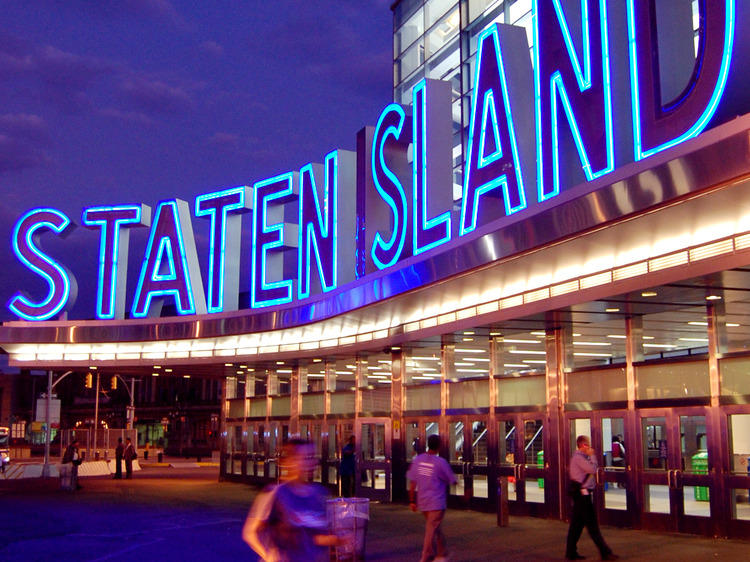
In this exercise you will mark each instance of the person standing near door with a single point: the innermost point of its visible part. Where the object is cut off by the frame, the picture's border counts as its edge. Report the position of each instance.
(129, 455)
(429, 476)
(348, 468)
(581, 489)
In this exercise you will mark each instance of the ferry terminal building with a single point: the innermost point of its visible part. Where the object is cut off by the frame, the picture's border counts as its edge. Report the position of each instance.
(552, 239)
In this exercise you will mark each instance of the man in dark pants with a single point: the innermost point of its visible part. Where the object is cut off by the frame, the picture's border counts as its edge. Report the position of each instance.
(582, 469)
(119, 452)
(129, 455)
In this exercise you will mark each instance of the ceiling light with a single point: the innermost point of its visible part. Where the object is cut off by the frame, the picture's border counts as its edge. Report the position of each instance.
(649, 293)
(526, 352)
(611, 310)
(616, 336)
(534, 361)
(713, 298)
(157, 366)
(468, 333)
(185, 376)
(588, 354)
(538, 333)
(696, 323)
(664, 345)
(515, 365)
(597, 343)
(507, 340)
(732, 325)
(464, 350)
(167, 370)
(705, 340)
(467, 339)
(477, 359)
(228, 365)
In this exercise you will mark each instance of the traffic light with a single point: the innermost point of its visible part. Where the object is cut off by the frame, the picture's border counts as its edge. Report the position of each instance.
(89, 383)
(113, 382)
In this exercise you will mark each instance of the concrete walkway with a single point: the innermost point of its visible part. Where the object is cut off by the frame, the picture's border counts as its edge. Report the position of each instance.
(185, 514)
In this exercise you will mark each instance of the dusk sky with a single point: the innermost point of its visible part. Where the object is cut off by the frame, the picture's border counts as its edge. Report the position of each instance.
(134, 101)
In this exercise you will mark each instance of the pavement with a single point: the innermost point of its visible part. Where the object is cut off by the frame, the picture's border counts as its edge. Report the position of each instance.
(186, 514)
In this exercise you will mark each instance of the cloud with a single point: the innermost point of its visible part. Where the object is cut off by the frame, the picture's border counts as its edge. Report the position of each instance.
(23, 140)
(212, 48)
(24, 126)
(17, 154)
(155, 97)
(226, 140)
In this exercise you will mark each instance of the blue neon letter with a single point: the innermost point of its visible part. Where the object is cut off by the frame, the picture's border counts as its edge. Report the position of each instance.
(492, 160)
(271, 241)
(224, 208)
(114, 223)
(26, 245)
(170, 264)
(578, 87)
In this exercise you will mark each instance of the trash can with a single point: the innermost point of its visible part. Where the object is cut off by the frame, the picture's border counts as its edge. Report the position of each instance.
(502, 502)
(66, 477)
(349, 517)
(700, 466)
(540, 464)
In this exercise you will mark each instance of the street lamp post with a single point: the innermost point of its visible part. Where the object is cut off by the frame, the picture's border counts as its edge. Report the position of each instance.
(50, 386)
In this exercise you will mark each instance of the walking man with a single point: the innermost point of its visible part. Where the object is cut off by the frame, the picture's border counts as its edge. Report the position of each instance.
(429, 475)
(129, 455)
(582, 469)
(119, 452)
(348, 468)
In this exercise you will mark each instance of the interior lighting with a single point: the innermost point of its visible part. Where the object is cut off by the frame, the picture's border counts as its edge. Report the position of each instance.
(396, 348)
(534, 361)
(315, 376)
(279, 362)
(167, 370)
(157, 366)
(507, 340)
(154, 374)
(732, 325)
(705, 340)
(185, 376)
(228, 365)
(477, 359)
(648, 337)
(697, 323)
(425, 358)
(526, 352)
(589, 354)
(611, 310)
(616, 336)
(316, 360)
(713, 298)
(471, 370)
(649, 293)
(515, 365)
(468, 333)
(495, 334)
(467, 339)
(663, 345)
(464, 350)
(240, 372)
(92, 368)
(463, 364)
(538, 334)
(284, 371)
(594, 343)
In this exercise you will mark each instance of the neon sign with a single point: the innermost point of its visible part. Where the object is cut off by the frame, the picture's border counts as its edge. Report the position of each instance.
(597, 92)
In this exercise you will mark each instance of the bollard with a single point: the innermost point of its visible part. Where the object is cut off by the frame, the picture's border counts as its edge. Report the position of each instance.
(502, 502)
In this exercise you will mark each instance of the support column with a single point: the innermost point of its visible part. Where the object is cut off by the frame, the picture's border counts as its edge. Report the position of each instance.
(398, 448)
(718, 454)
(559, 357)
(634, 451)
(295, 398)
(447, 371)
(223, 429)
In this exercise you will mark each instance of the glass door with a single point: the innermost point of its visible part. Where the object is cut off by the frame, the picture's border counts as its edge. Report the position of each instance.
(520, 459)
(607, 433)
(737, 478)
(676, 470)
(373, 475)
(468, 451)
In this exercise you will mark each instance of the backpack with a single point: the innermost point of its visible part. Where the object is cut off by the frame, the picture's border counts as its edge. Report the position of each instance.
(617, 450)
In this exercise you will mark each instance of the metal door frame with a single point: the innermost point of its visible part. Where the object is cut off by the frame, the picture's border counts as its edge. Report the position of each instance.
(370, 466)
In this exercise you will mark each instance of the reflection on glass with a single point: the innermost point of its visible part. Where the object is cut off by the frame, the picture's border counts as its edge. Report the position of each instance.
(740, 504)
(654, 443)
(413, 442)
(615, 497)
(696, 501)
(456, 441)
(613, 443)
(480, 486)
(578, 427)
(693, 444)
(534, 443)
(535, 490)
(739, 443)
(479, 442)
(656, 498)
(506, 442)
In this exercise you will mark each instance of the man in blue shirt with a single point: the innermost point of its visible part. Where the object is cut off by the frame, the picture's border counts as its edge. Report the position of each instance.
(582, 470)
(429, 475)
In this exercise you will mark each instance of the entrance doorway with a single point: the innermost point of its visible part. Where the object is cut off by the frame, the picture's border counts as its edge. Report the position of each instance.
(676, 463)
(373, 442)
(520, 459)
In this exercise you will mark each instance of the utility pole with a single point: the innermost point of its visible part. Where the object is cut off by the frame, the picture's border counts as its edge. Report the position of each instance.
(96, 412)
(50, 386)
